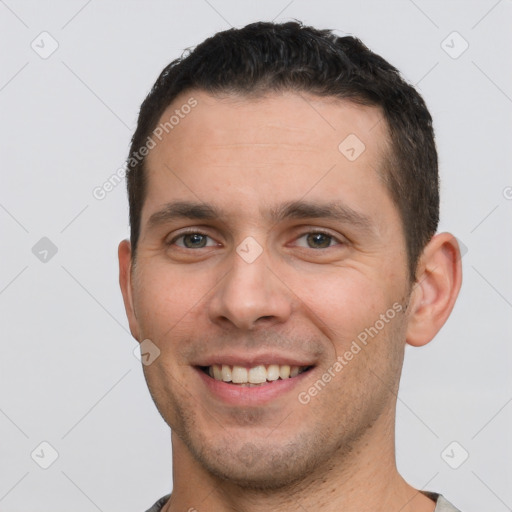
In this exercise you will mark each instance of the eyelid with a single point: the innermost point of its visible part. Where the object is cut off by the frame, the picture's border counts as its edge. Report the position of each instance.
(302, 231)
(188, 231)
(341, 240)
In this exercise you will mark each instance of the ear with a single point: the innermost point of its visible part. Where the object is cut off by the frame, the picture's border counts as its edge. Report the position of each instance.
(437, 286)
(125, 281)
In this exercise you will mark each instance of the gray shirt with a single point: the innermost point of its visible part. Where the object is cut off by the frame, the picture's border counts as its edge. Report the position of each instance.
(442, 505)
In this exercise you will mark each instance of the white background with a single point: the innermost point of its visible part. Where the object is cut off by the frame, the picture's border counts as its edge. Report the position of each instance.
(68, 375)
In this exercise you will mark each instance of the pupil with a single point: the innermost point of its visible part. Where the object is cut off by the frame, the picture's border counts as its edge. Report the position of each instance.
(195, 240)
(318, 240)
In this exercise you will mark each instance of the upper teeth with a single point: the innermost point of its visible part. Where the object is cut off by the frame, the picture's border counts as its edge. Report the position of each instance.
(255, 375)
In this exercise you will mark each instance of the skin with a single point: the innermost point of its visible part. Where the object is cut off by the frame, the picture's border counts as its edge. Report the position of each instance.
(247, 157)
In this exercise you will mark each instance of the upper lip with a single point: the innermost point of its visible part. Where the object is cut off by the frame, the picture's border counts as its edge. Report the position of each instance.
(251, 360)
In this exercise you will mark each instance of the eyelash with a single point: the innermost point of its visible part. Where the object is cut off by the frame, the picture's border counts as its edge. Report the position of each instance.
(320, 232)
(311, 232)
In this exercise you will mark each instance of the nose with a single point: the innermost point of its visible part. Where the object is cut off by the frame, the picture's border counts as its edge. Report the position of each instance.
(250, 296)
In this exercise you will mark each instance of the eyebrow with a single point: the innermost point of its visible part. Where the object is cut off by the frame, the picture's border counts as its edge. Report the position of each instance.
(332, 210)
(287, 211)
(183, 210)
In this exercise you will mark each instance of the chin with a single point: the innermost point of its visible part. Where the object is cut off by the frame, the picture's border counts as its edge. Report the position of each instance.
(260, 467)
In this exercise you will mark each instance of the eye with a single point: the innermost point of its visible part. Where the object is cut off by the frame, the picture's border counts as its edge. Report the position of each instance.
(317, 240)
(193, 241)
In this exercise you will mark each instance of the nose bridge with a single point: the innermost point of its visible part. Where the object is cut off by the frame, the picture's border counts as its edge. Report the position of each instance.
(250, 293)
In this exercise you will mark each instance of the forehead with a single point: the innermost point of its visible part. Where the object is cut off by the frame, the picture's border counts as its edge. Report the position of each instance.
(295, 117)
(275, 148)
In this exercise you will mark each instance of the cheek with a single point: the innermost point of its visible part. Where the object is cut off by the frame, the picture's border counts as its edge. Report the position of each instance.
(167, 299)
(362, 315)
(346, 301)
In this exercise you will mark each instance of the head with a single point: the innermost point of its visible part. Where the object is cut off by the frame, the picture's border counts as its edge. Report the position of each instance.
(283, 191)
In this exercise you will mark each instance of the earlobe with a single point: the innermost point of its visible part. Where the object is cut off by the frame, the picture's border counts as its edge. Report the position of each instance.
(436, 289)
(125, 281)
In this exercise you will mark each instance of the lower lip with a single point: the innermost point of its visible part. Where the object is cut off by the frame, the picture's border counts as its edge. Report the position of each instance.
(234, 394)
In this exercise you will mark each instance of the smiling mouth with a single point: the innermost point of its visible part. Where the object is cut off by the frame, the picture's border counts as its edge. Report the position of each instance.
(259, 375)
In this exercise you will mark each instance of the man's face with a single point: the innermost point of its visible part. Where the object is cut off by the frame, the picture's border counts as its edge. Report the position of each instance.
(263, 244)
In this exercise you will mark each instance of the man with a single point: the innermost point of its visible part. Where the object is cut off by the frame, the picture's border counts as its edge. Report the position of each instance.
(283, 192)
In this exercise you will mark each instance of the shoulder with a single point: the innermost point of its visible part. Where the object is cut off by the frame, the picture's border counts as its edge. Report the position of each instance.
(157, 507)
(442, 504)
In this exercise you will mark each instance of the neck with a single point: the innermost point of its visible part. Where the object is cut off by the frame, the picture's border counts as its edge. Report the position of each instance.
(364, 480)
